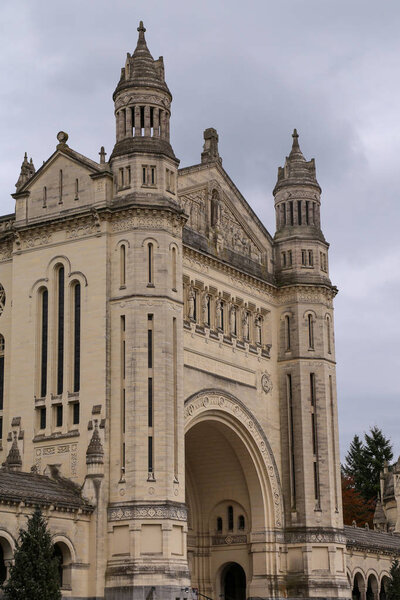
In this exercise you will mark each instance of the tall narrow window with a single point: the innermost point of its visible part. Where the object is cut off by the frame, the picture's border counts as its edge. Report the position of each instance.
(287, 332)
(284, 213)
(76, 189)
(289, 395)
(230, 518)
(150, 454)
(241, 522)
(60, 187)
(75, 413)
(77, 336)
(150, 401)
(1, 428)
(291, 212)
(307, 212)
(60, 330)
(299, 212)
(328, 333)
(2, 350)
(173, 259)
(42, 417)
(310, 332)
(150, 263)
(312, 388)
(219, 524)
(150, 348)
(44, 197)
(59, 415)
(43, 342)
(122, 251)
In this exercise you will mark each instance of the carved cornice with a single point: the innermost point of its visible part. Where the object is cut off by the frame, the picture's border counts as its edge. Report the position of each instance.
(316, 536)
(128, 511)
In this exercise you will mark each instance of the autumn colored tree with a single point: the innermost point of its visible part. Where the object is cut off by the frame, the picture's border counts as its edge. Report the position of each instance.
(355, 507)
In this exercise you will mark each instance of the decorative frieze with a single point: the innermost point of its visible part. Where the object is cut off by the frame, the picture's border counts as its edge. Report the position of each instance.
(176, 512)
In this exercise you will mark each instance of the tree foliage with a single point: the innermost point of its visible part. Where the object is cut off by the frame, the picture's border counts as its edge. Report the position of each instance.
(365, 461)
(355, 508)
(34, 575)
(393, 587)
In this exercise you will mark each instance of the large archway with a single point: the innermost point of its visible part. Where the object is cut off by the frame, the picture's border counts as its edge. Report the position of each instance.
(233, 496)
(233, 582)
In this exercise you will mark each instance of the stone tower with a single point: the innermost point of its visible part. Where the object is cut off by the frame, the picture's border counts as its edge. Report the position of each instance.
(147, 441)
(310, 450)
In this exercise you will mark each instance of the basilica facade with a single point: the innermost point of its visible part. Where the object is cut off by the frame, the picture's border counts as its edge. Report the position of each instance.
(167, 373)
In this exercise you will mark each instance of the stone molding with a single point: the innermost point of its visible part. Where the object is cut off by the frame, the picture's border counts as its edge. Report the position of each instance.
(317, 536)
(121, 512)
(221, 401)
(222, 540)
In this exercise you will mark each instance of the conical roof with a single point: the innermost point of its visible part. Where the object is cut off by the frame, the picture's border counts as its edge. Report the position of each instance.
(297, 170)
(141, 70)
(95, 452)
(14, 460)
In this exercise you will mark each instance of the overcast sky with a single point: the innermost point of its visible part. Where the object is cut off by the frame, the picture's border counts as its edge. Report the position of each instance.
(253, 70)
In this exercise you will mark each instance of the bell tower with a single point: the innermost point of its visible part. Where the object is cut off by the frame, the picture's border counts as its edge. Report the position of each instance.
(306, 363)
(142, 158)
(147, 513)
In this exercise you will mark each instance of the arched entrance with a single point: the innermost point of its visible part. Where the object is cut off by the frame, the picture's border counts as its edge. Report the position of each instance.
(230, 497)
(233, 582)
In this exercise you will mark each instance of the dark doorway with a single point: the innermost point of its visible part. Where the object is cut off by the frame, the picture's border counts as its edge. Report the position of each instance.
(234, 582)
(3, 568)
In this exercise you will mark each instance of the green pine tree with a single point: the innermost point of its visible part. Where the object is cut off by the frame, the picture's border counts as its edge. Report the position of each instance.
(34, 575)
(393, 588)
(356, 466)
(378, 450)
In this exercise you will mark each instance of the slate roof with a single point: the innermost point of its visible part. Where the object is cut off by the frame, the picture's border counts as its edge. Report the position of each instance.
(39, 489)
(369, 538)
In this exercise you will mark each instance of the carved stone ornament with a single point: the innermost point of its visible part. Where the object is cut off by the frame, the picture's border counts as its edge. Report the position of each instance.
(176, 512)
(266, 383)
(2, 298)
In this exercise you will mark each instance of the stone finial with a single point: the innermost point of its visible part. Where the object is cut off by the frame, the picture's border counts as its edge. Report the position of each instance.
(141, 29)
(102, 155)
(62, 139)
(27, 170)
(95, 452)
(297, 170)
(14, 461)
(210, 149)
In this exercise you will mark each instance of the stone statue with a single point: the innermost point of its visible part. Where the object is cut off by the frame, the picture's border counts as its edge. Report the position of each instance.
(218, 313)
(258, 325)
(233, 320)
(246, 325)
(191, 303)
(204, 309)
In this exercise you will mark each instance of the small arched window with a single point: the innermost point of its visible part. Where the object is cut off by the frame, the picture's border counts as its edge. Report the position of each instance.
(310, 322)
(60, 563)
(230, 518)
(122, 265)
(287, 332)
(219, 524)
(173, 267)
(214, 208)
(241, 523)
(150, 263)
(328, 333)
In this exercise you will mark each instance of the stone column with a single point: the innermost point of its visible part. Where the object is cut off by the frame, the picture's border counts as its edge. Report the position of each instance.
(128, 128)
(162, 124)
(147, 130)
(167, 126)
(156, 122)
(137, 121)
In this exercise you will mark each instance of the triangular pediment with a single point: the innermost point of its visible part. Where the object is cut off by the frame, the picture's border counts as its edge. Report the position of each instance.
(217, 211)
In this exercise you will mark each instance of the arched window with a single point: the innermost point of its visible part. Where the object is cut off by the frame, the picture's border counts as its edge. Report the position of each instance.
(214, 208)
(60, 329)
(77, 336)
(150, 261)
(241, 522)
(230, 518)
(44, 326)
(122, 255)
(328, 333)
(310, 322)
(59, 556)
(173, 267)
(219, 524)
(287, 332)
(2, 350)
